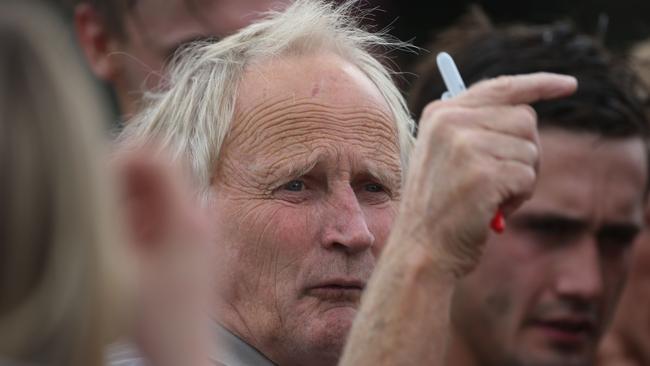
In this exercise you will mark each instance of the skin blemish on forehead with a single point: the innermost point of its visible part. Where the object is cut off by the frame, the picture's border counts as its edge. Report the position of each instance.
(315, 90)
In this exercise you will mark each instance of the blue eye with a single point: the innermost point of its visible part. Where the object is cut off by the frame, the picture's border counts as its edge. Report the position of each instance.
(374, 187)
(294, 186)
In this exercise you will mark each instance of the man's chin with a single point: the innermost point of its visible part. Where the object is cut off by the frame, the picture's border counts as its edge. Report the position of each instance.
(337, 319)
(333, 325)
(542, 346)
(550, 356)
(323, 336)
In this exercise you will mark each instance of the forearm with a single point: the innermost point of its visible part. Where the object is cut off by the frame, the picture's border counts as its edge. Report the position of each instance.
(404, 316)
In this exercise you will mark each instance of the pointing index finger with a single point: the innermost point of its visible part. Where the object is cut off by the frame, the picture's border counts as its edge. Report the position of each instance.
(519, 89)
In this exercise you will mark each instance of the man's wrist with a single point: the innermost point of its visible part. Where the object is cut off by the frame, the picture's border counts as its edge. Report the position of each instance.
(419, 259)
(437, 245)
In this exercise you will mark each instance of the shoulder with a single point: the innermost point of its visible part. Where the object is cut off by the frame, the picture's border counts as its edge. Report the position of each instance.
(124, 354)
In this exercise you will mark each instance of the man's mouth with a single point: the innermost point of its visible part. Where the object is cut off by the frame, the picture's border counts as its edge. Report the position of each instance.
(568, 331)
(337, 290)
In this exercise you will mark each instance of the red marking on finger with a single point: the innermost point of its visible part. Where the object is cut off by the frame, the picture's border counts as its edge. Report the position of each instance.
(498, 223)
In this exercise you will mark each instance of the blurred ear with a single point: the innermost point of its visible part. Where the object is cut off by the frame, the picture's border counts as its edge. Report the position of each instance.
(173, 250)
(149, 197)
(96, 41)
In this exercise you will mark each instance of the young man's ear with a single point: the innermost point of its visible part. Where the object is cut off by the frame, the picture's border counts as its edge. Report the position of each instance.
(96, 41)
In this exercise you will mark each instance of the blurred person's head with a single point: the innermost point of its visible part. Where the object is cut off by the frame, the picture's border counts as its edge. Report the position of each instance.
(545, 290)
(298, 139)
(66, 271)
(127, 42)
(59, 247)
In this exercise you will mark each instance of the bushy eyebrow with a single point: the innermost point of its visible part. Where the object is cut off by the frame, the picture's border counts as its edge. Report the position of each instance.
(620, 230)
(556, 221)
(390, 178)
(387, 177)
(285, 168)
(541, 220)
(299, 169)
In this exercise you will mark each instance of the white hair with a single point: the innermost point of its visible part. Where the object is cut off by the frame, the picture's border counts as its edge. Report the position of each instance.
(193, 115)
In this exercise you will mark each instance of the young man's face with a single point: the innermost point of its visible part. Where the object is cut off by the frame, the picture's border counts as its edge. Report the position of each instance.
(627, 341)
(155, 29)
(546, 288)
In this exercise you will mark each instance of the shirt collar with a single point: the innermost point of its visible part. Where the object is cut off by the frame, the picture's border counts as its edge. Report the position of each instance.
(234, 351)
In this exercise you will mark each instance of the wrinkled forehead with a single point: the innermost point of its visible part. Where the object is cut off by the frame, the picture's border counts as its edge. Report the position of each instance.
(313, 100)
(324, 79)
(323, 76)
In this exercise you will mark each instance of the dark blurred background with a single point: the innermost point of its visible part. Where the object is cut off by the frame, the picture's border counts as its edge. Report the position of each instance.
(627, 21)
(620, 23)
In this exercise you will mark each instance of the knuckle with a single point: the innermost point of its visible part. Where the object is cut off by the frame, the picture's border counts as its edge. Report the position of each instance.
(503, 84)
(526, 177)
(449, 114)
(430, 109)
(525, 119)
(444, 121)
(531, 111)
(530, 178)
(530, 175)
(532, 151)
(460, 142)
(482, 175)
(528, 117)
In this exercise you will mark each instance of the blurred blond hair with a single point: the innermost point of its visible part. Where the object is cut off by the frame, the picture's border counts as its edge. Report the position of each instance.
(62, 270)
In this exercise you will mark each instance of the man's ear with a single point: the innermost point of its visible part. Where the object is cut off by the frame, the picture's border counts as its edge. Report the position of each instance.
(96, 41)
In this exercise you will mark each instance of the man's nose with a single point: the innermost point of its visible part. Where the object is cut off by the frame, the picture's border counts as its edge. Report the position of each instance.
(580, 276)
(346, 226)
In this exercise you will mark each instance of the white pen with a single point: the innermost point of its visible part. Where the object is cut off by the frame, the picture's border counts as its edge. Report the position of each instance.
(450, 75)
(455, 85)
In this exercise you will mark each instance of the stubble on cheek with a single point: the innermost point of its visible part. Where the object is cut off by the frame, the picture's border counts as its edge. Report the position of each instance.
(481, 321)
(498, 304)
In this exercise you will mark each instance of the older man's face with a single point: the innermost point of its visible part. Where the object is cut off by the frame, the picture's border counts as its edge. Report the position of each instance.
(304, 196)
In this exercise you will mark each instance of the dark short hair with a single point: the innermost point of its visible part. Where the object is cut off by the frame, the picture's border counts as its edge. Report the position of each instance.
(610, 97)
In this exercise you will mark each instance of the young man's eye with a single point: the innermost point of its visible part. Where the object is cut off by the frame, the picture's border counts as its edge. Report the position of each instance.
(617, 239)
(294, 186)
